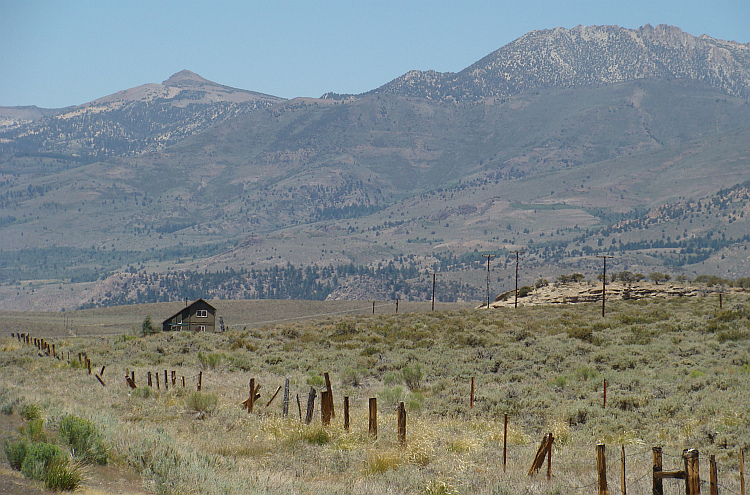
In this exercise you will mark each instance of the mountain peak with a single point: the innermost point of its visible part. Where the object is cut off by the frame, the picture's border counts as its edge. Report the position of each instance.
(185, 77)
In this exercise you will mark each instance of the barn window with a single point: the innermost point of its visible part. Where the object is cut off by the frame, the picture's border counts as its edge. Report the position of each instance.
(201, 328)
(202, 313)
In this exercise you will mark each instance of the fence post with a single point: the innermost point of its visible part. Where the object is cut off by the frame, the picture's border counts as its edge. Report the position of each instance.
(549, 456)
(622, 478)
(299, 408)
(200, 380)
(601, 468)
(330, 394)
(150, 383)
(251, 399)
(658, 483)
(273, 396)
(471, 399)
(166, 381)
(505, 441)
(285, 406)
(373, 418)
(346, 412)
(401, 425)
(541, 453)
(692, 472)
(157, 381)
(174, 378)
(742, 472)
(310, 406)
(714, 483)
(604, 405)
(325, 407)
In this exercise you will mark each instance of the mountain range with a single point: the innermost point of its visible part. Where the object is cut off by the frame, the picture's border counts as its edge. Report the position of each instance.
(564, 144)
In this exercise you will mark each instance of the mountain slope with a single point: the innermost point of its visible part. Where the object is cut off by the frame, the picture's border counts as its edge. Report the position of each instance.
(587, 55)
(144, 118)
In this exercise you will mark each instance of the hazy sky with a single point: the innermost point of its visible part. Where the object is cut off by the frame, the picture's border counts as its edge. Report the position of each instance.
(67, 52)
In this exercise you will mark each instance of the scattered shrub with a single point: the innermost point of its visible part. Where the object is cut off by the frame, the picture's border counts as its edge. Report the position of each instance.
(202, 402)
(84, 439)
(210, 361)
(315, 380)
(34, 430)
(30, 411)
(63, 475)
(39, 457)
(147, 327)
(351, 376)
(15, 452)
(412, 376)
(142, 392)
(7, 408)
(316, 435)
(525, 291)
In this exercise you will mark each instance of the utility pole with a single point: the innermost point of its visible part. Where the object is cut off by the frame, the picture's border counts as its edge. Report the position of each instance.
(604, 280)
(489, 257)
(515, 303)
(434, 278)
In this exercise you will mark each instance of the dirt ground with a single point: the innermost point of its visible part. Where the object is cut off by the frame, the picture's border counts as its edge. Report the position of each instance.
(100, 480)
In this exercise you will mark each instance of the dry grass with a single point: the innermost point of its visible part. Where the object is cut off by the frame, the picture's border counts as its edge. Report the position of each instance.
(673, 381)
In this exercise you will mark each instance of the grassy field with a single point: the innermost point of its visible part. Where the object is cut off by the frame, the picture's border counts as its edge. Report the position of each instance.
(678, 372)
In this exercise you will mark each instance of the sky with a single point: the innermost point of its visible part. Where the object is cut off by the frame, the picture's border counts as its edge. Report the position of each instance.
(55, 54)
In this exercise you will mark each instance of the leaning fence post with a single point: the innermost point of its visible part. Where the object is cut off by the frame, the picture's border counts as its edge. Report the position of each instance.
(401, 424)
(601, 468)
(330, 394)
(373, 418)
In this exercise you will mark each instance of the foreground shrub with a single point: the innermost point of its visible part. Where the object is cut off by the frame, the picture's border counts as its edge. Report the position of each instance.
(84, 439)
(202, 403)
(412, 376)
(30, 412)
(39, 457)
(63, 475)
(15, 452)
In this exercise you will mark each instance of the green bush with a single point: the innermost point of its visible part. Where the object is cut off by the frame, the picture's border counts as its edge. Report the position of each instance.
(34, 430)
(147, 327)
(142, 392)
(30, 411)
(315, 380)
(7, 408)
(201, 402)
(39, 457)
(209, 361)
(84, 439)
(63, 475)
(15, 452)
(412, 376)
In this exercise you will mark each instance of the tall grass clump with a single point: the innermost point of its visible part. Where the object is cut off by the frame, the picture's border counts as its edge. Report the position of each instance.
(209, 361)
(84, 438)
(202, 402)
(15, 452)
(63, 476)
(39, 457)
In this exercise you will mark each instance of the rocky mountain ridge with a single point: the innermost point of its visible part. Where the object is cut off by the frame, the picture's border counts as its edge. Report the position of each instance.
(586, 55)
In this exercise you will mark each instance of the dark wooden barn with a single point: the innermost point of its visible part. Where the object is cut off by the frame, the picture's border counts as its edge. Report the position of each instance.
(197, 317)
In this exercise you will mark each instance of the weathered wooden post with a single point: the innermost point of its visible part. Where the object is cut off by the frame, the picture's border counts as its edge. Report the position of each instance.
(713, 482)
(373, 418)
(505, 441)
(401, 424)
(299, 408)
(174, 378)
(471, 399)
(549, 456)
(544, 448)
(285, 406)
(200, 380)
(132, 376)
(273, 396)
(604, 406)
(692, 472)
(601, 469)
(346, 412)
(325, 407)
(250, 404)
(330, 393)
(101, 371)
(742, 472)
(310, 406)
(150, 383)
(166, 381)
(157, 381)
(622, 470)
(100, 380)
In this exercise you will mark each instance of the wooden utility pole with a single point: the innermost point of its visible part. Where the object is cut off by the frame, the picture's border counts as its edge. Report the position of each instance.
(515, 302)
(489, 257)
(604, 279)
(434, 279)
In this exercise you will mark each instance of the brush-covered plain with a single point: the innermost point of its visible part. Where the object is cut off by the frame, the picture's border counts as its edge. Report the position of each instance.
(677, 370)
